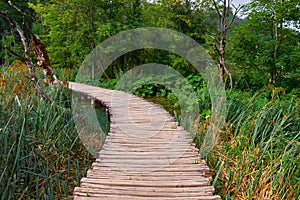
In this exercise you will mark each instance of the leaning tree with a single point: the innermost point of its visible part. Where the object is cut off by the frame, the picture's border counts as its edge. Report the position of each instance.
(32, 44)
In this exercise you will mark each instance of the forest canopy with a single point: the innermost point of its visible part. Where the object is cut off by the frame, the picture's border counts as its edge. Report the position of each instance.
(262, 43)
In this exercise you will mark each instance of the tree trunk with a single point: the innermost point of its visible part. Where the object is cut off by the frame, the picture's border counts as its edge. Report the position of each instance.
(26, 57)
(43, 61)
(278, 27)
(222, 58)
(224, 26)
(273, 75)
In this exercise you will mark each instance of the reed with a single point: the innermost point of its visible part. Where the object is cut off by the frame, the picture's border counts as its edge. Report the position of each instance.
(41, 156)
(258, 154)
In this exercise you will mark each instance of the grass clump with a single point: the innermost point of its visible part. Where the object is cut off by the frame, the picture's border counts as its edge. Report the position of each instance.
(41, 156)
(258, 154)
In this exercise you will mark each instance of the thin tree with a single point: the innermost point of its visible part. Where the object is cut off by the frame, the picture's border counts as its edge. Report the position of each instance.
(223, 8)
(39, 50)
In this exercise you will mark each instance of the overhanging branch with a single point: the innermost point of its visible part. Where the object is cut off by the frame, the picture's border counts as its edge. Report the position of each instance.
(26, 57)
(217, 8)
(237, 10)
(15, 53)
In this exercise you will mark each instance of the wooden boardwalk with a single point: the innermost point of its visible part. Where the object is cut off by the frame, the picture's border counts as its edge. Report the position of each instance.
(146, 154)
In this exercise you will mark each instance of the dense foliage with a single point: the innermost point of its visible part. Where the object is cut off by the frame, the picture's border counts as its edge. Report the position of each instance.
(266, 40)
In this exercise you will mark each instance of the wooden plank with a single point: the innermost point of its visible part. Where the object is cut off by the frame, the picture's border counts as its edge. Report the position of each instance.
(139, 169)
(130, 197)
(97, 192)
(172, 161)
(149, 156)
(153, 189)
(148, 174)
(136, 183)
(170, 154)
(145, 178)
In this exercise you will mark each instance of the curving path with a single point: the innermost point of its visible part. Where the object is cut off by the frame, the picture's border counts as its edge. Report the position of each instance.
(146, 154)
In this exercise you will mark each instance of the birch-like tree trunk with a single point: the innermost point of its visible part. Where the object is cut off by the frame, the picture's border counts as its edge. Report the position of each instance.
(40, 51)
(277, 37)
(224, 25)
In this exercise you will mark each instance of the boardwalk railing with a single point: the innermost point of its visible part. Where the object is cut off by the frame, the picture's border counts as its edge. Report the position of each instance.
(146, 154)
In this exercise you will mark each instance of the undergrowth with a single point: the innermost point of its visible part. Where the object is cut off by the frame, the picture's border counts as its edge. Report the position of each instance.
(41, 156)
(258, 154)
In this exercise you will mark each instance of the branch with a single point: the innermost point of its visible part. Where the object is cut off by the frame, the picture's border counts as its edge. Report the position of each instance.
(21, 33)
(224, 14)
(15, 7)
(228, 4)
(216, 7)
(23, 14)
(15, 53)
(230, 77)
(214, 38)
(41, 91)
(237, 10)
(8, 16)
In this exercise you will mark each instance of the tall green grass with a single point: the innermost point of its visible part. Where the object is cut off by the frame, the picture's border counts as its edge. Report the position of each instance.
(258, 155)
(41, 156)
